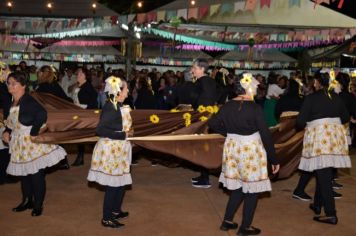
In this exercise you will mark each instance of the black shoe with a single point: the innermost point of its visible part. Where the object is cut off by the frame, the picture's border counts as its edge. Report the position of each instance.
(37, 211)
(326, 219)
(249, 231)
(225, 226)
(121, 215)
(63, 164)
(111, 223)
(196, 179)
(302, 196)
(79, 161)
(337, 195)
(24, 205)
(337, 185)
(316, 209)
(134, 162)
(201, 184)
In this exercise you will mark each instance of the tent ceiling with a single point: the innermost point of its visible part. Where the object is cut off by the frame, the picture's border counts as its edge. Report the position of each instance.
(258, 55)
(304, 16)
(154, 52)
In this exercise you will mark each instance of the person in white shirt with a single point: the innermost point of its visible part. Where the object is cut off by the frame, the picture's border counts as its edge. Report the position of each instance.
(68, 81)
(274, 91)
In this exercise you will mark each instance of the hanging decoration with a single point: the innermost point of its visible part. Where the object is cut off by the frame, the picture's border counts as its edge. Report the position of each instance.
(123, 47)
(138, 50)
(251, 43)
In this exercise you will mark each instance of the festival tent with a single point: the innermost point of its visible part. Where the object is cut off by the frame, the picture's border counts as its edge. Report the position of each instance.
(280, 13)
(347, 49)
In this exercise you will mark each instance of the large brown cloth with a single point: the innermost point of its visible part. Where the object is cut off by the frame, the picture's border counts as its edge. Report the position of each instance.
(68, 123)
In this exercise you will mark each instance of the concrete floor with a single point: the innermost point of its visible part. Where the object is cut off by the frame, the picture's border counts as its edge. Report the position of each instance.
(162, 202)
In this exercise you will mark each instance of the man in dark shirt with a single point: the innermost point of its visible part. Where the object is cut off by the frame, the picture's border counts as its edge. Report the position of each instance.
(206, 87)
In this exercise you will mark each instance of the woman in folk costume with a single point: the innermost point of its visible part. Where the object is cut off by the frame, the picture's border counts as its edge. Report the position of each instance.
(325, 142)
(247, 148)
(28, 159)
(111, 159)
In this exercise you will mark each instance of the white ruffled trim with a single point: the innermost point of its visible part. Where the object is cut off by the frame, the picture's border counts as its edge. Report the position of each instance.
(324, 161)
(247, 187)
(109, 180)
(32, 167)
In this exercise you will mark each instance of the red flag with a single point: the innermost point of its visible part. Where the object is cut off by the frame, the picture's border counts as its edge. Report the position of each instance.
(203, 11)
(341, 3)
(265, 3)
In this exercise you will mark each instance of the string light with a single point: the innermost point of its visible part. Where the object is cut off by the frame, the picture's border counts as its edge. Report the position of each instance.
(9, 5)
(49, 6)
(93, 6)
(192, 2)
(139, 4)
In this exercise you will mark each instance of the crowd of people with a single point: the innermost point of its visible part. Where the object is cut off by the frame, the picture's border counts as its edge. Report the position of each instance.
(250, 104)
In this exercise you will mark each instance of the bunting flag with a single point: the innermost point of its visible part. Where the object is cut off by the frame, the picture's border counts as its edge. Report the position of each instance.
(265, 3)
(214, 9)
(28, 24)
(14, 24)
(239, 6)
(250, 5)
(318, 2)
(141, 18)
(131, 18)
(170, 15)
(48, 24)
(294, 3)
(161, 16)
(113, 20)
(281, 4)
(193, 13)
(341, 3)
(151, 16)
(203, 11)
(123, 19)
(182, 13)
(226, 8)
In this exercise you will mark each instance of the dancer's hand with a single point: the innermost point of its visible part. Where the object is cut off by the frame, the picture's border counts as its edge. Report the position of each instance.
(129, 133)
(275, 169)
(6, 137)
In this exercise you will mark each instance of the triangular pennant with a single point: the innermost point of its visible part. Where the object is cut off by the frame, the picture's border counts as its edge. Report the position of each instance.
(171, 14)
(214, 9)
(141, 18)
(123, 19)
(266, 3)
(294, 3)
(226, 7)
(131, 18)
(250, 5)
(182, 13)
(161, 16)
(203, 11)
(239, 6)
(151, 16)
(193, 13)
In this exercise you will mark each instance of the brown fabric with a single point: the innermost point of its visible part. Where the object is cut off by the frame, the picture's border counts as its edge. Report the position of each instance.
(68, 123)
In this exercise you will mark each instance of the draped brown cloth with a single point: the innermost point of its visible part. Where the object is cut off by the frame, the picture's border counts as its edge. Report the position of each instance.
(68, 123)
